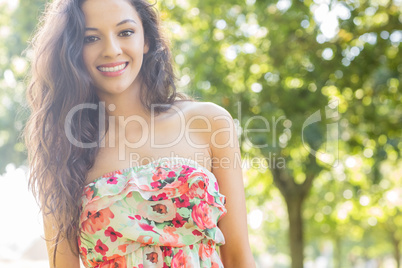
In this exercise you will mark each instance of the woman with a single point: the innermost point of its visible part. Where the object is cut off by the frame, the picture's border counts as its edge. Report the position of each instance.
(129, 173)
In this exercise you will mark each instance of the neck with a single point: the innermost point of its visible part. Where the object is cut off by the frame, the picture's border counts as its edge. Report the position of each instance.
(125, 104)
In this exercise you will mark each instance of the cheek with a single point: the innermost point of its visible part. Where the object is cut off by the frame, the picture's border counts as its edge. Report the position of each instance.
(135, 46)
(87, 57)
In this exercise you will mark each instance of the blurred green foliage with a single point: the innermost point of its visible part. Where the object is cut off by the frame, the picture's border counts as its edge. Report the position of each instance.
(17, 24)
(273, 64)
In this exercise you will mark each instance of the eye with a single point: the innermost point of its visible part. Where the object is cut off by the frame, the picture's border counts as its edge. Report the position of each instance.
(126, 33)
(90, 39)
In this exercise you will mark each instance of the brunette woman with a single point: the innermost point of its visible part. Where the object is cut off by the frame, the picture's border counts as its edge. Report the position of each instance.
(129, 173)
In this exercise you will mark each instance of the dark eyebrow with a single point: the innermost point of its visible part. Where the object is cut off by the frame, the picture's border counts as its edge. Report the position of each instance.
(118, 24)
(91, 29)
(125, 21)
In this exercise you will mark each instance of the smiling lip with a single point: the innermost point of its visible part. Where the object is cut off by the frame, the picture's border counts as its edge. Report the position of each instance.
(113, 69)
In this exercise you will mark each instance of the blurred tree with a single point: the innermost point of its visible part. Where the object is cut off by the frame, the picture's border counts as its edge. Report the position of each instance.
(17, 24)
(297, 63)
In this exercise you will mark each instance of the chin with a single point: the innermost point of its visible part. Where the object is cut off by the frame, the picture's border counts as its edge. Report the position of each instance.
(114, 90)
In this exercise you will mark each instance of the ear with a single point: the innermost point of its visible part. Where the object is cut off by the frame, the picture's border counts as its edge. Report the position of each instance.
(146, 46)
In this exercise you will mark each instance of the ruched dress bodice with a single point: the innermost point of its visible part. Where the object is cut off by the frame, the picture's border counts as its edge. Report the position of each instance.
(162, 214)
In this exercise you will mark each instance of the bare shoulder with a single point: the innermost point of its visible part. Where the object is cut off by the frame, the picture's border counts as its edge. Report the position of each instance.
(208, 109)
(215, 126)
(222, 131)
(218, 119)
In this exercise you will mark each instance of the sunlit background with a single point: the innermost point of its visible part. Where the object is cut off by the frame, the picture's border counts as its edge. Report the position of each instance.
(274, 65)
(21, 226)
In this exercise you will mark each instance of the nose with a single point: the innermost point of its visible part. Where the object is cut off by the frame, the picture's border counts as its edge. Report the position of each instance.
(111, 47)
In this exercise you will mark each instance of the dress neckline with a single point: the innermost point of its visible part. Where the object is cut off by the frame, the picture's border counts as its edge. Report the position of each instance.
(178, 159)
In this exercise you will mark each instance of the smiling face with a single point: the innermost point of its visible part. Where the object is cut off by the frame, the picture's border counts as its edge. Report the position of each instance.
(114, 45)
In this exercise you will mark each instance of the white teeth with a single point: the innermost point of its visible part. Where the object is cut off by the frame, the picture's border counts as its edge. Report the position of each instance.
(112, 69)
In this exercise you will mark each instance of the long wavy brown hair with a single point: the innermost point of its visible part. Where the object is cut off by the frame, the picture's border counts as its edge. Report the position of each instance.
(58, 82)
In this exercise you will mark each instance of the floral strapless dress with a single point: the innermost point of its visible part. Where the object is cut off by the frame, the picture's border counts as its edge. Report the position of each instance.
(162, 214)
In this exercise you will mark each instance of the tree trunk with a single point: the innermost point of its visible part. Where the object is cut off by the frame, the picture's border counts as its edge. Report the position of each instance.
(338, 253)
(296, 231)
(397, 253)
(294, 195)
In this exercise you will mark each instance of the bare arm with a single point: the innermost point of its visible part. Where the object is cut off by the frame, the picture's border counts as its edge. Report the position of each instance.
(226, 166)
(65, 257)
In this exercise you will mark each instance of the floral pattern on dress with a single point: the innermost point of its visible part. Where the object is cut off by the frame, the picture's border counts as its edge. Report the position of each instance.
(163, 214)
